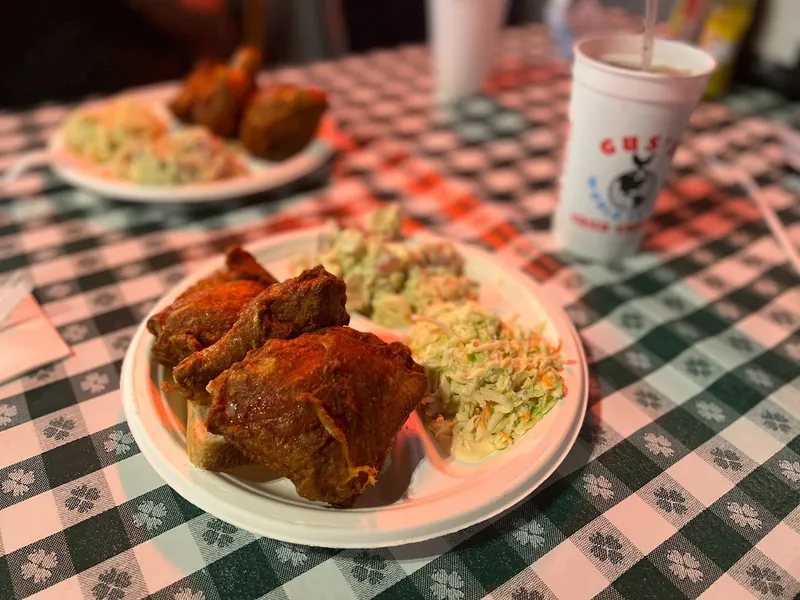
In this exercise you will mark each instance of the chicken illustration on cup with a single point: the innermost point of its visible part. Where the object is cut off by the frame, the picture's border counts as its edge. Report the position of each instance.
(637, 187)
(632, 189)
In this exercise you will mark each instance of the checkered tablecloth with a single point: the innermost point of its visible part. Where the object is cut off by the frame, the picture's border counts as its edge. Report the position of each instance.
(685, 481)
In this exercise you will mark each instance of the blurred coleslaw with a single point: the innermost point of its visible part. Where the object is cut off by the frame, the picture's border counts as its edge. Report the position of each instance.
(131, 141)
(98, 131)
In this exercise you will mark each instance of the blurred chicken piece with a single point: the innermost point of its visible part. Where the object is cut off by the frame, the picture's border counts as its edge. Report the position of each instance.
(203, 313)
(214, 94)
(310, 301)
(280, 120)
(323, 409)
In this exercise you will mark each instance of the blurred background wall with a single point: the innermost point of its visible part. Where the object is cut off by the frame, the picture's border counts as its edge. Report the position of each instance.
(64, 49)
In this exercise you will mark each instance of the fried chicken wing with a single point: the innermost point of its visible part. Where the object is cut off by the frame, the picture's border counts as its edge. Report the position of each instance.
(310, 301)
(202, 314)
(214, 94)
(322, 409)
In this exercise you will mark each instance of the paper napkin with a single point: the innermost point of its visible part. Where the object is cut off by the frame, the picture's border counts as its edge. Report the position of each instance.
(28, 341)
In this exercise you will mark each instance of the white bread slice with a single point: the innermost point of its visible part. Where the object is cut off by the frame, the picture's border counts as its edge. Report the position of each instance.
(207, 450)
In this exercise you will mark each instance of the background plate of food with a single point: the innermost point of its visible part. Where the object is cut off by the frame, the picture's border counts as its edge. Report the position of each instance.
(217, 135)
(258, 403)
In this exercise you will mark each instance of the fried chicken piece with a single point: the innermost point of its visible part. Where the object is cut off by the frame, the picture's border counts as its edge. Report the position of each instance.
(280, 120)
(203, 313)
(322, 409)
(215, 94)
(312, 300)
(183, 104)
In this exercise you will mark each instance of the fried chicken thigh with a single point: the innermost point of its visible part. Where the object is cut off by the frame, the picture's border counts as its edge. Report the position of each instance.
(310, 301)
(280, 120)
(322, 409)
(202, 314)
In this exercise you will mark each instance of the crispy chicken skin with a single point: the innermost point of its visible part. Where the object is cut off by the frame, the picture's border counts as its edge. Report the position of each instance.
(310, 301)
(215, 94)
(280, 120)
(204, 312)
(322, 409)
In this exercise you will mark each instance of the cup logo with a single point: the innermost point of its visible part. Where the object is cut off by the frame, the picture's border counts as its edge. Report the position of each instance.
(634, 188)
(629, 196)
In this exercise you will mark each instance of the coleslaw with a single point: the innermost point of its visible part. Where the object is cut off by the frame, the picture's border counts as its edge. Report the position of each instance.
(129, 140)
(490, 381)
(98, 132)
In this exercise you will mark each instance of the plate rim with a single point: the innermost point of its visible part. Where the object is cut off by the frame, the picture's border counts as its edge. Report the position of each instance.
(239, 517)
(316, 154)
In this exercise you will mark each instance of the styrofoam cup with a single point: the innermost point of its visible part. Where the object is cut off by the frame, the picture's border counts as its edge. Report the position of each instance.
(625, 126)
(463, 35)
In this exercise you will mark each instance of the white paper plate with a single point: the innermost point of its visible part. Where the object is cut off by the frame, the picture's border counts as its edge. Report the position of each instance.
(422, 493)
(263, 175)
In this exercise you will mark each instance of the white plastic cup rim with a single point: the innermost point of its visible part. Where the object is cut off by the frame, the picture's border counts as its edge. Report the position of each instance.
(703, 65)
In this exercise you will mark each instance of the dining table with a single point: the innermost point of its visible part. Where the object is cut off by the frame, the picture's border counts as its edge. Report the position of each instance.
(685, 478)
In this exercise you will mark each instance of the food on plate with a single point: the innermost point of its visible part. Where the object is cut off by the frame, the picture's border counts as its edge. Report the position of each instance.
(388, 279)
(135, 140)
(280, 120)
(98, 131)
(285, 383)
(190, 155)
(429, 285)
(322, 409)
(273, 123)
(215, 94)
(310, 301)
(132, 142)
(207, 450)
(491, 381)
(197, 319)
(204, 312)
